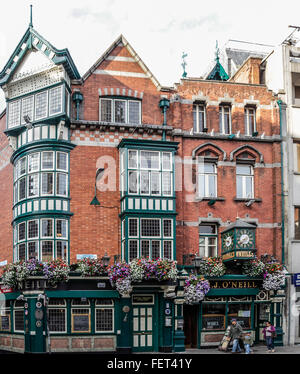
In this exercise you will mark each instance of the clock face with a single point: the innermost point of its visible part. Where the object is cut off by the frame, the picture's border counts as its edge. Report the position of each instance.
(227, 241)
(245, 239)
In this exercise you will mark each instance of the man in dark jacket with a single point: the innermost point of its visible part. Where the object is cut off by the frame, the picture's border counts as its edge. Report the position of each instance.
(236, 332)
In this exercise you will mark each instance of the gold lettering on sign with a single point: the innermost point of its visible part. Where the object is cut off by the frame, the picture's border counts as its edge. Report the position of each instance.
(225, 284)
(233, 284)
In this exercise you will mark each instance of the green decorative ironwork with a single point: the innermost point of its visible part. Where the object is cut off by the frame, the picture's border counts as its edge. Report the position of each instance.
(184, 63)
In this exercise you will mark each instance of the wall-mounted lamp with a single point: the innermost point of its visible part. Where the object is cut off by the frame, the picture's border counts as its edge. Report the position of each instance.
(105, 259)
(99, 174)
(164, 104)
(77, 98)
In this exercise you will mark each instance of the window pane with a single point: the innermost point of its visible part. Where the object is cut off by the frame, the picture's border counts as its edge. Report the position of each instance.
(22, 166)
(298, 159)
(61, 250)
(167, 249)
(132, 159)
(201, 185)
(57, 319)
(239, 186)
(47, 160)
(47, 251)
(155, 183)
(133, 227)
(166, 161)
(41, 105)
(27, 109)
(33, 250)
(149, 160)
(55, 100)
(33, 229)
(201, 118)
(61, 184)
(47, 183)
(14, 113)
(106, 110)
(133, 249)
(22, 188)
(145, 248)
(248, 185)
(155, 249)
(134, 111)
(195, 118)
(244, 169)
(22, 251)
(61, 228)
(145, 188)
(33, 185)
(33, 162)
(47, 228)
(104, 319)
(207, 229)
(132, 182)
(19, 320)
(22, 231)
(167, 227)
(209, 168)
(166, 183)
(120, 111)
(61, 161)
(150, 227)
(211, 185)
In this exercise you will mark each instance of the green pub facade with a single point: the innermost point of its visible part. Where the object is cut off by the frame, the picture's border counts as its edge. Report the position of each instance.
(47, 124)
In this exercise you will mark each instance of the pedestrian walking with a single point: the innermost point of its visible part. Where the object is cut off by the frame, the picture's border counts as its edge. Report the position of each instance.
(248, 341)
(236, 332)
(269, 333)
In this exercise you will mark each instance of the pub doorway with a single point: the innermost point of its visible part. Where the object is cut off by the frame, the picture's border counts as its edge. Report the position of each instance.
(190, 315)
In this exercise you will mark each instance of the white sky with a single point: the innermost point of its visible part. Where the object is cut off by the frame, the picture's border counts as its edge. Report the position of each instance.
(158, 30)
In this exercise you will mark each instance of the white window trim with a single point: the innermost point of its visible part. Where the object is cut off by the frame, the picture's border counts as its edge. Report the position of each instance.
(111, 108)
(171, 161)
(57, 194)
(19, 180)
(66, 316)
(140, 182)
(140, 112)
(151, 237)
(39, 159)
(41, 192)
(130, 236)
(206, 181)
(137, 183)
(167, 219)
(159, 160)
(171, 184)
(41, 247)
(21, 240)
(206, 237)
(53, 162)
(32, 111)
(137, 159)
(172, 247)
(222, 107)
(113, 318)
(67, 162)
(160, 247)
(66, 251)
(38, 183)
(138, 248)
(41, 229)
(126, 110)
(18, 252)
(61, 100)
(9, 125)
(159, 183)
(247, 114)
(38, 224)
(27, 249)
(196, 106)
(47, 103)
(61, 237)
(244, 176)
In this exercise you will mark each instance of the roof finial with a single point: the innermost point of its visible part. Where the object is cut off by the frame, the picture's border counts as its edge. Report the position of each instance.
(217, 52)
(184, 64)
(30, 23)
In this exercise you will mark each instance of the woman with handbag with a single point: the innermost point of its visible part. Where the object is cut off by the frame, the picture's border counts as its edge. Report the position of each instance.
(269, 333)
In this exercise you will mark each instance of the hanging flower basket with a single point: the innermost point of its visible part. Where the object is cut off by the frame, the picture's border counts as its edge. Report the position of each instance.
(253, 268)
(91, 267)
(274, 276)
(56, 271)
(195, 289)
(211, 267)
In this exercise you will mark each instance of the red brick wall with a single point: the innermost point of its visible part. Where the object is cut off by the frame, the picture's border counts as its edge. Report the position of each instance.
(6, 196)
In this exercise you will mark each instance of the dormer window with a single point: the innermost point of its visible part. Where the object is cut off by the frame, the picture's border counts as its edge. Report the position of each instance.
(120, 110)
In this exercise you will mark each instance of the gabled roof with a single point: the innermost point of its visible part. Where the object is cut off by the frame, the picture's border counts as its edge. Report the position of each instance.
(122, 41)
(32, 39)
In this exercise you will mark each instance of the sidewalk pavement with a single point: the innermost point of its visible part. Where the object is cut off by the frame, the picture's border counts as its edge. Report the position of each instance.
(257, 349)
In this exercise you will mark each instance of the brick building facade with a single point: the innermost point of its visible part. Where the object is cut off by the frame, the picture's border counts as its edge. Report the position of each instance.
(178, 166)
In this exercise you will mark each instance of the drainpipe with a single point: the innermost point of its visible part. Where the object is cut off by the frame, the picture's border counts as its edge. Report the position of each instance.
(164, 104)
(279, 102)
(77, 98)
